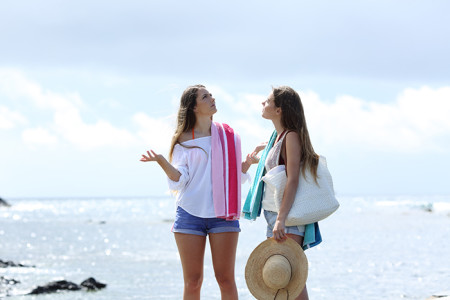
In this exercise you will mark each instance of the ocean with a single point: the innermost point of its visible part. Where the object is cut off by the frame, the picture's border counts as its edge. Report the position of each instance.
(373, 248)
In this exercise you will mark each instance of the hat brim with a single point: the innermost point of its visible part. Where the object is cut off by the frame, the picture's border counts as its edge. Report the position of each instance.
(294, 254)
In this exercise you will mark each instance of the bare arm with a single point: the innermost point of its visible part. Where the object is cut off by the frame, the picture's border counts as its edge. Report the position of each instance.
(252, 158)
(167, 167)
(293, 172)
(249, 161)
(260, 147)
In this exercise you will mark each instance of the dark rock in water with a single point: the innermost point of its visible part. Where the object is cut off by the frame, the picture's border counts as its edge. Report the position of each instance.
(55, 286)
(98, 222)
(6, 286)
(7, 281)
(4, 203)
(6, 264)
(92, 285)
(438, 297)
(441, 295)
(63, 285)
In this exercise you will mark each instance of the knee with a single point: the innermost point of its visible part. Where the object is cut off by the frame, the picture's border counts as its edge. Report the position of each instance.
(193, 283)
(226, 281)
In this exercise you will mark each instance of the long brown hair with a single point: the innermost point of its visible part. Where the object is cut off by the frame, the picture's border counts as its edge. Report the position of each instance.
(186, 117)
(293, 119)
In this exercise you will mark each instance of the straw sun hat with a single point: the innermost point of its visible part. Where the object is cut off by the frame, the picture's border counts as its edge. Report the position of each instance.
(276, 270)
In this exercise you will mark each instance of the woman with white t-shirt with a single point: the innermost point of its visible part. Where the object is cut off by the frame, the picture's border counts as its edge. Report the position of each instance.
(204, 169)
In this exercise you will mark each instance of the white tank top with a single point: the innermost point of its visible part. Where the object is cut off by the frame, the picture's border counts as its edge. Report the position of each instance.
(273, 158)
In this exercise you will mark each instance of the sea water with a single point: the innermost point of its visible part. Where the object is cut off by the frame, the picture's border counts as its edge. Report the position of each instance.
(373, 248)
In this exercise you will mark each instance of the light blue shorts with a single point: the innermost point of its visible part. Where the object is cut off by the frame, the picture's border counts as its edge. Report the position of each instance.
(271, 217)
(187, 223)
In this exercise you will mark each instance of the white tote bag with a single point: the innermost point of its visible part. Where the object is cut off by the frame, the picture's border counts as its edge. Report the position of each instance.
(313, 202)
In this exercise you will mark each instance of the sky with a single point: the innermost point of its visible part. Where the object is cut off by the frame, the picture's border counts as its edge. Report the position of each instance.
(86, 87)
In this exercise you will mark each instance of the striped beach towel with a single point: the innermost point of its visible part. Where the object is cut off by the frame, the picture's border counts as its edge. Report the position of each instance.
(226, 171)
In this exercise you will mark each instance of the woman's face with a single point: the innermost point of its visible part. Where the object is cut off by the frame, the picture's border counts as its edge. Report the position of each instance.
(206, 103)
(269, 110)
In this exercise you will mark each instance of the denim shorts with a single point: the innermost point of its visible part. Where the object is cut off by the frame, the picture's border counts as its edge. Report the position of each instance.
(187, 223)
(271, 217)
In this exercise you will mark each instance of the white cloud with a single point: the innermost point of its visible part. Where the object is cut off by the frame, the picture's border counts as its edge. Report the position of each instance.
(243, 112)
(15, 85)
(9, 119)
(67, 123)
(155, 133)
(247, 104)
(416, 121)
(39, 136)
(72, 128)
(427, 110)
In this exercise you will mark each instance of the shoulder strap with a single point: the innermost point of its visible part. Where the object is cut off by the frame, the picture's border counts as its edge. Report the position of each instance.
(282, 161)
(281, 136)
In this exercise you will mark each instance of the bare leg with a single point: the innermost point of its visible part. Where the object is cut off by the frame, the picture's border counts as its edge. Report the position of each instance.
(192, 251)
(223, 251)
(299, 239)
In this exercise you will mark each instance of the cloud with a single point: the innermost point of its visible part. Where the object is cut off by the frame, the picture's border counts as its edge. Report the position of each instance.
(72, 128)
(416, 121)
(38, 136)
(243, 112)
(67, 123)
(427, 110)
(156, 133)
(246, 103)
(10, 119)
(237, 45)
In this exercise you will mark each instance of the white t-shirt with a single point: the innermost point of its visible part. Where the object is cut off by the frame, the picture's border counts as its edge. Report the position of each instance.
(195, 184)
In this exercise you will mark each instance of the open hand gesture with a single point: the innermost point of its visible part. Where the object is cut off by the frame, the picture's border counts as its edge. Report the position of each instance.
(260, 147)
(252, 159)
(151, 156)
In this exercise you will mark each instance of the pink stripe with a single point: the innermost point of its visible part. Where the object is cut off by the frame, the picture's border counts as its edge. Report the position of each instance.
(223, 173)
(217, 171)
(239, 173)
(232, 172)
